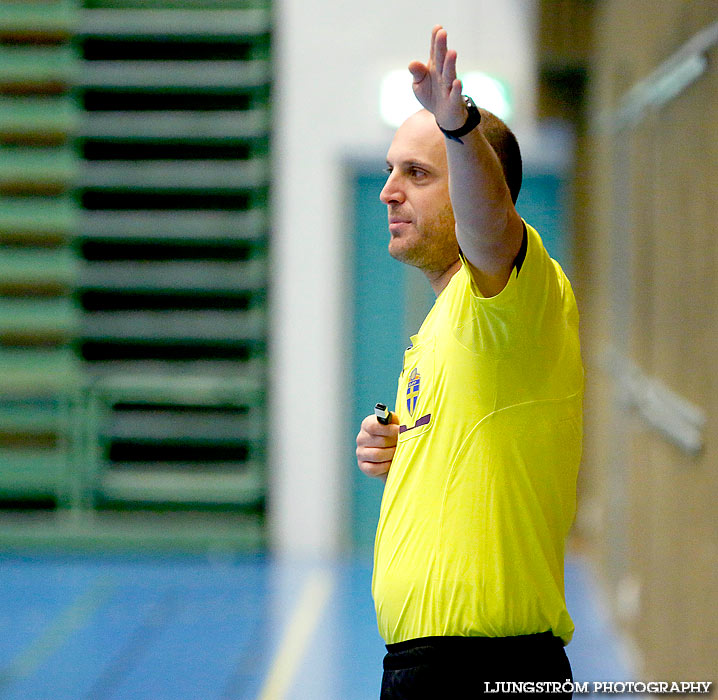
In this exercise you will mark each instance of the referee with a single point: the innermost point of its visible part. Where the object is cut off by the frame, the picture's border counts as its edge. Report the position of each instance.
(481, 452)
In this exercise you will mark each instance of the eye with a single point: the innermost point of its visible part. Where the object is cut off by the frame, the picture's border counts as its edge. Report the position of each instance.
(387, 170)
(417, 173)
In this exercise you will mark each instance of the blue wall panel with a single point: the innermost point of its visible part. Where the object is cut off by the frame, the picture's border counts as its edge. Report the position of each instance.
(388, 298)
(378, 337)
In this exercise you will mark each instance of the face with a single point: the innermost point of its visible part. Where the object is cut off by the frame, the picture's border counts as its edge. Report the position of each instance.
(416, 193)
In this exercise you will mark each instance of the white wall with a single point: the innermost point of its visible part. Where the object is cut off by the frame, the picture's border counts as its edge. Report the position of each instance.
(330, 56)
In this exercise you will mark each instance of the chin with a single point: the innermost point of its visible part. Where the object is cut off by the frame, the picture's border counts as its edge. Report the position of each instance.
(405, 256)
(398, 251)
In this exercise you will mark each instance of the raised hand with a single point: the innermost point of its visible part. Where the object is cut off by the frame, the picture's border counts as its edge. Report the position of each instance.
(435, 83)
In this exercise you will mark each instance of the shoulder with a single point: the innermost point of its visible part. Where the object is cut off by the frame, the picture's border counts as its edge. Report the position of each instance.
(532, 264)
(537, 287)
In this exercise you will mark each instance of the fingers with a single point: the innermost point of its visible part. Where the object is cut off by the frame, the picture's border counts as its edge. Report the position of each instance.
(448, 74)
(457, 89)
(434, 83)
(375, 461)
(440, 50)
(375, 470)
(376, 445)
(434, 32)
(376, 434)
(375, 455)
(441, 71)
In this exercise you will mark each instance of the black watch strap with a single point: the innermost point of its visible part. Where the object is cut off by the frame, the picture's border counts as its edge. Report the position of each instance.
(473, 119)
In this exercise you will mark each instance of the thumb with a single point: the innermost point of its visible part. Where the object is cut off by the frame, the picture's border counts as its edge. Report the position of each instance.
(418, 71)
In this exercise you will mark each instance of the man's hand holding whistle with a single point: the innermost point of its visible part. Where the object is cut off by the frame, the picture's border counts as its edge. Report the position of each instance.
(376, 442)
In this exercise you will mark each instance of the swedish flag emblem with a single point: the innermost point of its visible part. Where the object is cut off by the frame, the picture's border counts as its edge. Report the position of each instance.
(412, 390)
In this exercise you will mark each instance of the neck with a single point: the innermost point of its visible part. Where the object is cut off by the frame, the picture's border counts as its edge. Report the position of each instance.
(439, 279)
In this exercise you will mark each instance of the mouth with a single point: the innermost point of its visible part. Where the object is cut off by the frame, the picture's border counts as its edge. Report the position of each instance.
(397, 224)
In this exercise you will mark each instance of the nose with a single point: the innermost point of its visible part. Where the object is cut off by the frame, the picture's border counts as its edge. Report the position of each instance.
(392, 193)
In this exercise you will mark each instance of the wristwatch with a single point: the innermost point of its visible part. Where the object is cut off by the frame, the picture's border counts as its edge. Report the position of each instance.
(473, 119)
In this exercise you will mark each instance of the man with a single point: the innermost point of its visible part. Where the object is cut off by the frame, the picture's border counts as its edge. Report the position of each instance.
(481, 455)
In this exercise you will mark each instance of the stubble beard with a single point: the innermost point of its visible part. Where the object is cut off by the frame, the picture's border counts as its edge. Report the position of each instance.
(431, 247)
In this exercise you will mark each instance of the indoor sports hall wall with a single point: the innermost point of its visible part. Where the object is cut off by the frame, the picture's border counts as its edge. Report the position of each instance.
(647, 273)
(150, 270)
(330, 58)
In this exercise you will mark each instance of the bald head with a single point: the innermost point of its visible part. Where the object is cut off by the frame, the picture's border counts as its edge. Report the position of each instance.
(421, 133)
(425, 117)
(499, 136)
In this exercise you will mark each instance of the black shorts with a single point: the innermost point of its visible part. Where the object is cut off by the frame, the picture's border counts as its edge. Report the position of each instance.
(440, 668)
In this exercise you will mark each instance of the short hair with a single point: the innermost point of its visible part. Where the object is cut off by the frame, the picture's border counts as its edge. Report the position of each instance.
(506, 147)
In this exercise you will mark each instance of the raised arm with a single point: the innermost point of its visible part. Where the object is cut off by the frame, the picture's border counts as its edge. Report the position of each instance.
(488, 228)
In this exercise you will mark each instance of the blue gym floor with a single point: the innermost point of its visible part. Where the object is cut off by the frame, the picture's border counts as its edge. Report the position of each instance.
(179, 628)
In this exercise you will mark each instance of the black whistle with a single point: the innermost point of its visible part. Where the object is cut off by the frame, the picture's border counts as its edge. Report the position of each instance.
(382, 413)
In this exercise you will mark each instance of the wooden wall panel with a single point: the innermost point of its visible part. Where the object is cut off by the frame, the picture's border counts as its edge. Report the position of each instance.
(650, 216)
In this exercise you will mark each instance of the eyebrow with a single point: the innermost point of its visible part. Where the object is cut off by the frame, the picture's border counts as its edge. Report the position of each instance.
(405, 164)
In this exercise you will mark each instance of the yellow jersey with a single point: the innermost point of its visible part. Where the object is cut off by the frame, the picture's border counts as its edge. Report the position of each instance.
(482, 488)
